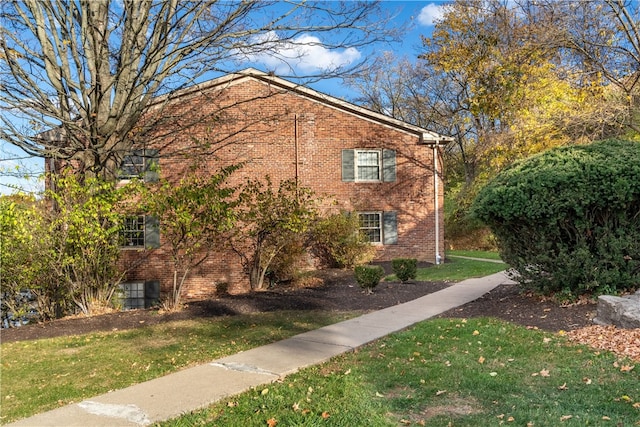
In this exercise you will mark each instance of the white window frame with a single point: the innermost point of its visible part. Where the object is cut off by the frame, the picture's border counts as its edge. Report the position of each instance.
(129, 240)
(380, 226)
(357, 166)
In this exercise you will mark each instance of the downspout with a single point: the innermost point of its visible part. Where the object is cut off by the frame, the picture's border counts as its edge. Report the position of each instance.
(436, 205)
(295, 142)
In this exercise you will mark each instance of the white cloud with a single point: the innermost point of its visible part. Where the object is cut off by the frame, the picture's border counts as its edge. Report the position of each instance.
(430, 14)
(305, 53)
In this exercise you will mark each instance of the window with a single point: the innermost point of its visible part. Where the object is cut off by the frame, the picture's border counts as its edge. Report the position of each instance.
(140, 164)
(364, 165)
(133, 165)
(133, 231)
(379, 227)
(140, 232)
(371, 226)
(132, 295)
(139, 294)
(368, 165)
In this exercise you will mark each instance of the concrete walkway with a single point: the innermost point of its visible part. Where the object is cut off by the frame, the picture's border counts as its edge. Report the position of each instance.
(194, 388)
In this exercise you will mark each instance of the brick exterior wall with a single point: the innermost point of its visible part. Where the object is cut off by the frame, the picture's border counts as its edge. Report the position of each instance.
(289, 135)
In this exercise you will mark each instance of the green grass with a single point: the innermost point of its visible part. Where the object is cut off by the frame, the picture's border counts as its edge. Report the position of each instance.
(475, 254)
(41, 375)
(457, 269)
(480, 372)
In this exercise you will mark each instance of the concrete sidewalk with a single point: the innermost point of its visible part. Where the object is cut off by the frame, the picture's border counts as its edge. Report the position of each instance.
(194, 388)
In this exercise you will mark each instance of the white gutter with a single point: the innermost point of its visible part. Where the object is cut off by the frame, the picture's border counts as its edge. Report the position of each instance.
(436, 205)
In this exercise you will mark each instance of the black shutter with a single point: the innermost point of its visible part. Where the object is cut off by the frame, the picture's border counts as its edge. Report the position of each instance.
(388, 165)
(151, 293)
(151, 158)
(390, 228)
(151, 232)
(348, 166)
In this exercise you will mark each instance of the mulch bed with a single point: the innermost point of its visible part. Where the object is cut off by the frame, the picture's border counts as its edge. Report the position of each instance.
(336, 290)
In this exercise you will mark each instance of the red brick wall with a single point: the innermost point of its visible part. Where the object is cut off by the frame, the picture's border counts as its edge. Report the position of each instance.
(254, 123)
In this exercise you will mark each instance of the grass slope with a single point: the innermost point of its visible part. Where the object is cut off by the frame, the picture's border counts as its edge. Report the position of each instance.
(443, 372)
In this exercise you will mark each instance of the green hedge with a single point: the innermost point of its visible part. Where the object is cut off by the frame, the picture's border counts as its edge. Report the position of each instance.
(405, 269)
(568, 220)
(368, 276)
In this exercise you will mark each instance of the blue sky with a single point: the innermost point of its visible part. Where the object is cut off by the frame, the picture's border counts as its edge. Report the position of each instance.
(415, 16)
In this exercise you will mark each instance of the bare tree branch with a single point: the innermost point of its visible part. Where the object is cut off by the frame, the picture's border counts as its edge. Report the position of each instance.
(90, 69)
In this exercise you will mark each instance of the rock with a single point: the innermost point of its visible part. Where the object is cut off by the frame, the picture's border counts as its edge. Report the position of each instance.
(623, 312)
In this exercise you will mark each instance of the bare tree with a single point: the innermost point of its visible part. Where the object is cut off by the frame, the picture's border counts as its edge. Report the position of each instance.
(90, 69)
(418, 93)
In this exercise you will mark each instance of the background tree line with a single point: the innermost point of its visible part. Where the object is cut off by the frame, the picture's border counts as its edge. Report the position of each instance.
(508, 79)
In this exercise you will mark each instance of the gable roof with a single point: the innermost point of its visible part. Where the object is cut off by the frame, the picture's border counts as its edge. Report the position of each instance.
(426, 136)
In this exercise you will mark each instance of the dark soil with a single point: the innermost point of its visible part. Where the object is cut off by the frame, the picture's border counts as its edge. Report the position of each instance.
(334, 290)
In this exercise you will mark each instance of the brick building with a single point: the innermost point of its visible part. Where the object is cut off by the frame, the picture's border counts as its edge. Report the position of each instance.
(356, 159)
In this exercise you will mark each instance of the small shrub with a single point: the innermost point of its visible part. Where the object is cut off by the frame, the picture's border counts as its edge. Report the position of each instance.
(405, 269)
(222, 289)
(368, 276)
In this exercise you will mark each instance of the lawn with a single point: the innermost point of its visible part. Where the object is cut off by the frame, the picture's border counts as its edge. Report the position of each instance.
(43, 374)
(445, 372)
(467, 373)
(475, 254)
(457, 269)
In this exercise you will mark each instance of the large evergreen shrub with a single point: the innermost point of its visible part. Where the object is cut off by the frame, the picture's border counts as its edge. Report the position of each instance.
(568, 220)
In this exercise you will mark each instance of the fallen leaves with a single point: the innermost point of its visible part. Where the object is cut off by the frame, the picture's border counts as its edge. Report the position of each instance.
(543, 373)
(509, 419)
(624, 342)
(626, 368)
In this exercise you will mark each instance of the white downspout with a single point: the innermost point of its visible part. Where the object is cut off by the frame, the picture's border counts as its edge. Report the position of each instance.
(435, 202)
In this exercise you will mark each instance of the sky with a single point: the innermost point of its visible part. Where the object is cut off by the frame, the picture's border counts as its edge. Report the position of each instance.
(416, 17)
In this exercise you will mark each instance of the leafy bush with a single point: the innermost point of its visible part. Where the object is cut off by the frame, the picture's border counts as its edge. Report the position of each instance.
(20, 266)
(405, 268)
(62, 250)
(369, 276)
(269, 220)
(568, 220)
(338, 241)
(289, 261)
